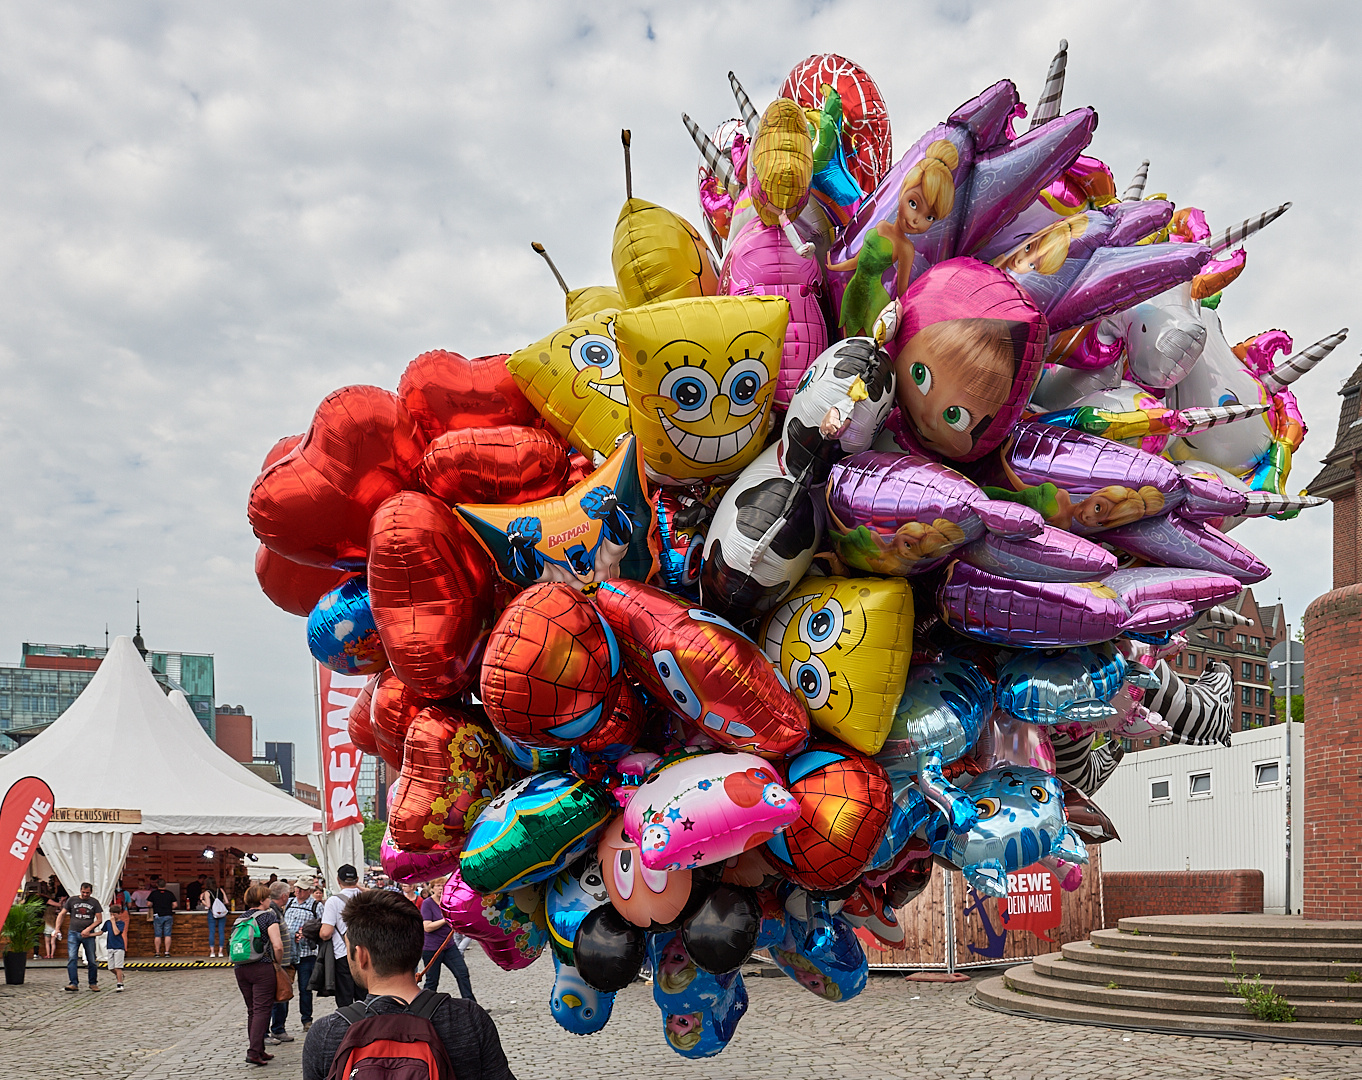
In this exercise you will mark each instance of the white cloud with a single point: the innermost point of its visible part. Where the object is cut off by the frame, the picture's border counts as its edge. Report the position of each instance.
(215, 214)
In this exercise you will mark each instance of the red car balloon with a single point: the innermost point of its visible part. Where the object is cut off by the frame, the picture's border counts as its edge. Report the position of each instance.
(844, 804)
(430, 587)
(705, 669)
(292, 586)
(395, 706)
(313, 505)
(361, 720)
(622, 727)
(550, 676)
(452, 766)
(445, 391)
(505, 464)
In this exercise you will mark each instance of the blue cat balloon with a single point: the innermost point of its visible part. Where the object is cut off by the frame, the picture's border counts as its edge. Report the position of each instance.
(1061, 686)
(1021, 821)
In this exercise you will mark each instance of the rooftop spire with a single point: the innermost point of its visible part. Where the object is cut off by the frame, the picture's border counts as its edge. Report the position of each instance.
(137, 641)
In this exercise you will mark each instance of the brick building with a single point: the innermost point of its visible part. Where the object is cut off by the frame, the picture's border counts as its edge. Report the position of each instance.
(1333, 659)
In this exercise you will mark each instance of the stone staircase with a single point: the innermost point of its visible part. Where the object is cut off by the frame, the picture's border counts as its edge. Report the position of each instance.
(1168, 972)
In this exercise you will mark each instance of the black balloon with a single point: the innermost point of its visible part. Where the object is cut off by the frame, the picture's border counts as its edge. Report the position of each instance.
(609, 949)
(722, 933)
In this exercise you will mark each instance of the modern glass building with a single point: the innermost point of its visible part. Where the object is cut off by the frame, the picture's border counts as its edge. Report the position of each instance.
(48, 678)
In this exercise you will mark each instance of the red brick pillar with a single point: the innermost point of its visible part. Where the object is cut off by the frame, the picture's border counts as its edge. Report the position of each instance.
(1331, 836)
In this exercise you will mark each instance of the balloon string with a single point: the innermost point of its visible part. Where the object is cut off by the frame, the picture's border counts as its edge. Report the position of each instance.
(435, 955)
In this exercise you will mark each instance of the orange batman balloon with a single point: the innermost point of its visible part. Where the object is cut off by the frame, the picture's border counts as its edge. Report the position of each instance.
(506, 464)
(430, 589)
(844, 804)
(550, 676)
(445, 391)
(705, 669)
(452, 766)
(314, 503)
(604, 527)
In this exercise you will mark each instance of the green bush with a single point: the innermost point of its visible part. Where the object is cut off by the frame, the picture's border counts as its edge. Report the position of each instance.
(1262, 1001)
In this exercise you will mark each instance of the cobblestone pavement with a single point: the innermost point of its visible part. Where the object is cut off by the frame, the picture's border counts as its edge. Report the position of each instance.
(169, 1024)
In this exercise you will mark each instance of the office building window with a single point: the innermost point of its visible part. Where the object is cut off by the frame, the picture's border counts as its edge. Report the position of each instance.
(1259, 672)
(1257, 643)
(1161, 790)
(1178, 660)
(1261, 720)
(1247, 670)
(1245, 721)
(1260, 697)
(1266, 774)
(1199, 785)
(1220, 637)
(1191, 662)
(1244, 695)
(1241, 640)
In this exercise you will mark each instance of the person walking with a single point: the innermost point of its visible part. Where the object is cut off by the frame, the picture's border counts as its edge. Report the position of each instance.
(450, 956)
(385, 937)
(217, 917)
(279, 891)
(253, 953)
(116, 927)
(162, 902)
(51, 912)
(83, 910)
(301, 909)
(333, 931)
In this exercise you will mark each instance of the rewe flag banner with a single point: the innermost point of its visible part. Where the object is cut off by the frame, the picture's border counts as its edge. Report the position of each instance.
(336, 693)
(1032, 901)
(23, 817)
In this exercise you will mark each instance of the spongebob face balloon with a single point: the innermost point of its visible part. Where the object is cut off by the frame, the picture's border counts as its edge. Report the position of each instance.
(844, 644)
(572, 377)
(699, 375)
(658, 255)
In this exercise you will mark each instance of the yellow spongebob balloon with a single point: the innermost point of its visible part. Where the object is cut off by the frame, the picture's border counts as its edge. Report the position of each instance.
(844, 644)
(699, 375)
(658, 255)
(590, 299)
(573, 379)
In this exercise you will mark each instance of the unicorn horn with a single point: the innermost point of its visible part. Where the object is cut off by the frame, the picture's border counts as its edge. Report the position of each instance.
(539, 250)
(714, 158)
(1135, 192)
(1047, 108)
(628, 165)
(1291, 369)
(1223, 616)
(1237, 234)
(1267, 503)
(1204, 417)
(745, 106)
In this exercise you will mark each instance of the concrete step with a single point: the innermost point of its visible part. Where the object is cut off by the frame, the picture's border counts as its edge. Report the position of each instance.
(1056, 966)
(1342, 951)
(1333, 971)
(997, 993)
(1255, 927)
(1030, 981)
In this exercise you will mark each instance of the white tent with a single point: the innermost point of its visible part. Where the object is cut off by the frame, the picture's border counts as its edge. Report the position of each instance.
(286, 866)
(123, 745)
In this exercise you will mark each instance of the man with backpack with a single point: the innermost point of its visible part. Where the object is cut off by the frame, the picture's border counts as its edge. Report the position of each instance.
(333, 930)
(406, 1028)
(299, 910)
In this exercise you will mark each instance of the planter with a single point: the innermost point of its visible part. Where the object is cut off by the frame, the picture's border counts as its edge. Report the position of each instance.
(15, 965)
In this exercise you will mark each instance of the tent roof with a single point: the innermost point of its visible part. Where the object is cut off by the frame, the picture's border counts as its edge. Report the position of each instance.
(289, 867)
(123, 745)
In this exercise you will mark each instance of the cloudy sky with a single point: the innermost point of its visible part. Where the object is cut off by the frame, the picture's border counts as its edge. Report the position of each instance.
(211, 215)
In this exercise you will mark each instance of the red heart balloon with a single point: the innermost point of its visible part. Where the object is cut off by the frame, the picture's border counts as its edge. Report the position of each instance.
(505, 464)
(361, 720)
(395, 706)
(313, 505)
(452, 766)
(445, 391)
(279, 449)
(292, 586)
(430, 587)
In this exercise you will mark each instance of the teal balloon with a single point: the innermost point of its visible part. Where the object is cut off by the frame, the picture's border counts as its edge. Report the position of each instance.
(532, 830)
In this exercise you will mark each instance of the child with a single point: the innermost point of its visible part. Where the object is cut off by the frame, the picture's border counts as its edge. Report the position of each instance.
(116, 926)
(926, 195)
(968, 347)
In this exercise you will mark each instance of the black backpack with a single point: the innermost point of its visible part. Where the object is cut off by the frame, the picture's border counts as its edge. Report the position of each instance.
(392, 1045)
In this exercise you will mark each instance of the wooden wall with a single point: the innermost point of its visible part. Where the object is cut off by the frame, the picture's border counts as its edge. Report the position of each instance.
(981, 937)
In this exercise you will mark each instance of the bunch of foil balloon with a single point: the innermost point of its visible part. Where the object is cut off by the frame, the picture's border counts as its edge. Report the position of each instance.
(845, 538)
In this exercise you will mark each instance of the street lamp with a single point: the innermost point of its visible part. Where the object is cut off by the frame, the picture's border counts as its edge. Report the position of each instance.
(1287, 663)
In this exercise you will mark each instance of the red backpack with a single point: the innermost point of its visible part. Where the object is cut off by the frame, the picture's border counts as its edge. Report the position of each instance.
(392, 1046)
